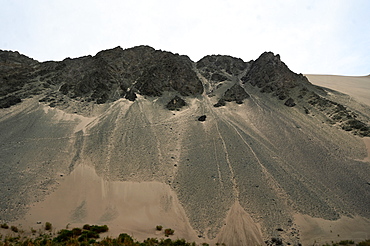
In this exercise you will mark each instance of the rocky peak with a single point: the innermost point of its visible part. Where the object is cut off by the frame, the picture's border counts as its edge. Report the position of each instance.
(13, 58)
(270, 74)
(215, 65)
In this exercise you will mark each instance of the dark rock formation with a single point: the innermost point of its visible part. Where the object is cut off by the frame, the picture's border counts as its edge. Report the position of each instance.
(176, 103)
(218, 68)
(6, 102)
(215, 66)
(337, 113)
(202, 118)
(106, 77)
(235, 93)
(290, 102)
(270, 74)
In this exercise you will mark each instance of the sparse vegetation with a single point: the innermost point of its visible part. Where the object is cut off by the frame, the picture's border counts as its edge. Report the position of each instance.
(349, 242)
(159, 228)
(48, 226)
(14, 228)
(4, 226)
(89, 235)
(168, 232)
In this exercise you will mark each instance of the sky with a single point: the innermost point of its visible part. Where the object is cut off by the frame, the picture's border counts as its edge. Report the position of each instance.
(312, 37)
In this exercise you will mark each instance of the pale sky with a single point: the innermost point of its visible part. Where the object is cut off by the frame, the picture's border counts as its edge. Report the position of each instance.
(320, 37)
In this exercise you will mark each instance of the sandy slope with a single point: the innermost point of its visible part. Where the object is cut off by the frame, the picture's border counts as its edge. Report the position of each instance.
(357, 87)
(131, 207)
(238, 177)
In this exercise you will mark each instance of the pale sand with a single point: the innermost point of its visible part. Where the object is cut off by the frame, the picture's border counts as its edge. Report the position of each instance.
(126, 207)
(240, 229)
(129, 207)
(325, 231)
(355, 86)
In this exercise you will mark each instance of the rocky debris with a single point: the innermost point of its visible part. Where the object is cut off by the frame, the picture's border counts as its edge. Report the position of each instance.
(339, 114)
(290, 102)
(130, 95)
(202, 118)
(9, 101)
(221, 102)
(274, 241)
(236, 93)
(176, 103)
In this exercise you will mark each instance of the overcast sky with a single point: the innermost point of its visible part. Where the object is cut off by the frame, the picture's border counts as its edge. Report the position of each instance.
(322, 37)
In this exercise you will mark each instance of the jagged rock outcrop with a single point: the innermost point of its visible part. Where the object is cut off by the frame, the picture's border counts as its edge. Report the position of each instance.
(236, 93)
(270, 74)
(106, 77)
(215, 67)
(219, 68)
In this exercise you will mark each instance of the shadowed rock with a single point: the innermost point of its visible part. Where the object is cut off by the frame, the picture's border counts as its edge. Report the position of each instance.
(236, 93)
(176, 103)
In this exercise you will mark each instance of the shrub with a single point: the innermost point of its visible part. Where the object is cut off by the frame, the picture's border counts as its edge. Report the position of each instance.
(86, 227)
(86, 235)
(346, 242)
(4, 226)
(14, 228)
(64, 235)
(168, 232)
(159, 227)
(364, 243)
(99, 229)
(125, 238)
(48, 226)
(76, 231)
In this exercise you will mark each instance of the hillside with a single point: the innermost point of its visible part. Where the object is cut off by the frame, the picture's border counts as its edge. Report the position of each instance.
(220, 150)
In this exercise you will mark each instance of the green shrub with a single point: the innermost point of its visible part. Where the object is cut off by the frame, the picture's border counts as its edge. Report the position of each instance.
(86, 235)
(125, 238)
(64, 235)
(159, 228)
(99, 229)
(168, 232)
(76, 231)
(14, 228)
(4, 226)
(48, 226)
(364, 243)
(346, 242)
(86, 227)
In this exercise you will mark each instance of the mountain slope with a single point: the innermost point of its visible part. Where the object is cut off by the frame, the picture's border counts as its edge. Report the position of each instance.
(272, 146)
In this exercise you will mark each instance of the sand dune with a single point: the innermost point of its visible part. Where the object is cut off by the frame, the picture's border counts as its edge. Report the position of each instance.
(357, 87)
(135, 208)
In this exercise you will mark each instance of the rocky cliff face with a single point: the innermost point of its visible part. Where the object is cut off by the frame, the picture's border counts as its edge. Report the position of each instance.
(244, 145)
(106, 77)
